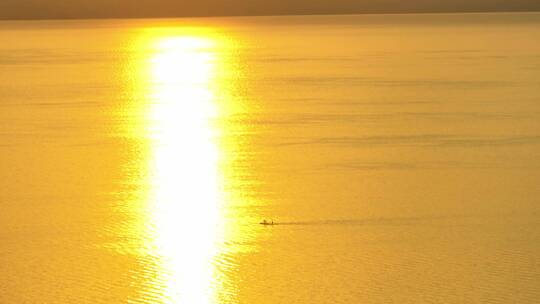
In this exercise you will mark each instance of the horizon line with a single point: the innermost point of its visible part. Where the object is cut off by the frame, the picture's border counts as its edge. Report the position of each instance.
(279, 15)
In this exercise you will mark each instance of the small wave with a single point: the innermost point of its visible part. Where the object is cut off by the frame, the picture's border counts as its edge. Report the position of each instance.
(363, 221)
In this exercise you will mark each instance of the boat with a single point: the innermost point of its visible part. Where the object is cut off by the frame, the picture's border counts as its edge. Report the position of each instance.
(267, 223)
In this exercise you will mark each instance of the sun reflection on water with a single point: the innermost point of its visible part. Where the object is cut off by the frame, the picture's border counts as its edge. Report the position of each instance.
(185, 196)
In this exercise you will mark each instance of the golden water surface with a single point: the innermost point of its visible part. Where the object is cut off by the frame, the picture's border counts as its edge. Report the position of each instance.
(398, 156)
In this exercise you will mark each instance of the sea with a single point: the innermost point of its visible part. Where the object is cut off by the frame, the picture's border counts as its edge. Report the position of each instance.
(397, 156)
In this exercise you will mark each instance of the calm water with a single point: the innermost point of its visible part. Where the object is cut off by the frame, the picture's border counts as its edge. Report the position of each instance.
(400, 156)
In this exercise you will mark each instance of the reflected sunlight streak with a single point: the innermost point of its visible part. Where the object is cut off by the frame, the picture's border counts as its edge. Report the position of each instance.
(185, 178)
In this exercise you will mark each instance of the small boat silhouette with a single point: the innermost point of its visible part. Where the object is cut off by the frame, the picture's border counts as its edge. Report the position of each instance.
(267, 223)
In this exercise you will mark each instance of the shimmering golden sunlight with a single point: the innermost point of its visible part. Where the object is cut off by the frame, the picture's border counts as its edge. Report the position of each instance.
(185, 195)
